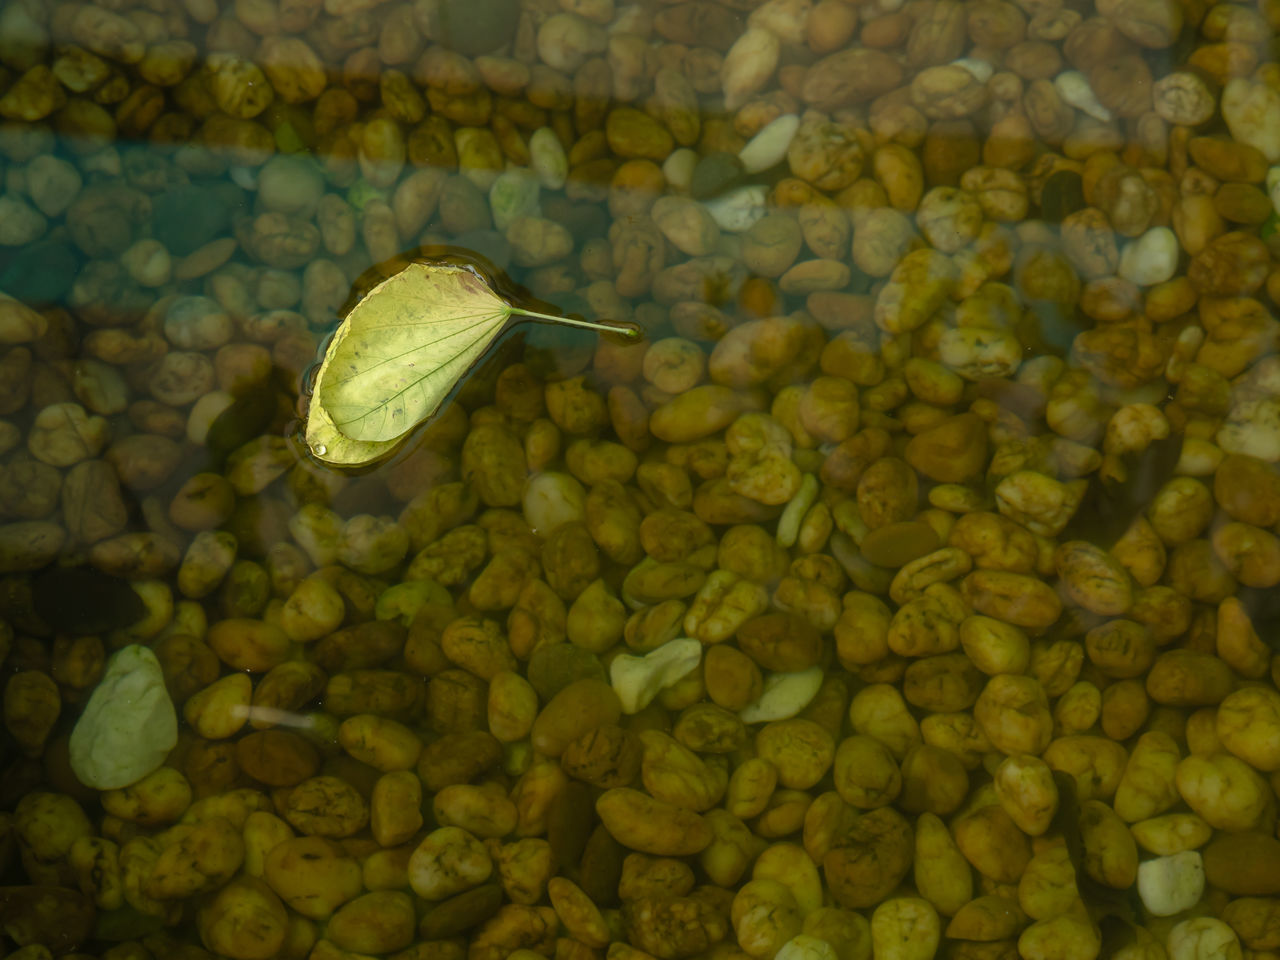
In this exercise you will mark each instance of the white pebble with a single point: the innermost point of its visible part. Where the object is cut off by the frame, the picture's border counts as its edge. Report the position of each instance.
(981, 69)
(785, 695)
(794, 513)
(548, 159)
(1252, 113)
(1169, 885)
(1253, 429)
(1073, 87)
(552, 499)
(1203, 938)
(1150, 259)
(738, 210)
(768, 148)
(678, 168)
(204, 411)
(637, 680)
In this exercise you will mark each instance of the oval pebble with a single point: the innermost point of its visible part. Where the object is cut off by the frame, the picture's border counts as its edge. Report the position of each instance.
(784, 696)
(1150, 259)
(738, 210)
(1073, 87)
(768, 148)
(678, 168)
(1169, 885)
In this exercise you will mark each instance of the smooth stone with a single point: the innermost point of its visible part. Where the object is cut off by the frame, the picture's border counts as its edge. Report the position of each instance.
(1254, 429)
(514, 194)
(678, 168)
(1244, 864)
(805, 947)
(981, 69)
(897, 544)
(291, 185)
(552, 499)
(768, 148)
(952, 451)
(1252, 114)
(52, 183)
(554, 667)
(20, 223)
(784, 696)
(1150, 259)
(637, 680)
(1073, 87)
(795, 511)
(475, 27)
(738, 210)
(548, 159)
(42, 272)
(714, 174)
(187, 217)
(129, 724)
(1169, 885)
(1063, 195)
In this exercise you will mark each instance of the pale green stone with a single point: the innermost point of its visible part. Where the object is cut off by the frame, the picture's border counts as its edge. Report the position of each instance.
(129, 724)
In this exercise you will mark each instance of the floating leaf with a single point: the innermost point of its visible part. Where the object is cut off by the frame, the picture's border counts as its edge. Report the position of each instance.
(400, 352)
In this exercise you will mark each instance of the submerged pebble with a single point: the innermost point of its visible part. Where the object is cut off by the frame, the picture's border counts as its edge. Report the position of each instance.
(738, 210)
(714, 174)
(129, 724)
(768, 148)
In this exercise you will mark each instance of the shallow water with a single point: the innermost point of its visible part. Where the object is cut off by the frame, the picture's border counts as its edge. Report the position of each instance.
(946, 466)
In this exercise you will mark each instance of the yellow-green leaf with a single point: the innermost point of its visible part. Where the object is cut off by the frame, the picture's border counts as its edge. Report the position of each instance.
(404, 346)
(398, 354)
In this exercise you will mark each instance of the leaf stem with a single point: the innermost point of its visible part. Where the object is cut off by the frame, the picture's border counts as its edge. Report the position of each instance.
(627, 330)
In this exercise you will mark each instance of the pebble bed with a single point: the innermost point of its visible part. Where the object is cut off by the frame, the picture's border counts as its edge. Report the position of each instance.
(908, 591)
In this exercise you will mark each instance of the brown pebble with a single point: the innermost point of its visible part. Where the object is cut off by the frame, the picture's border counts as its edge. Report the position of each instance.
(897, 544)
(1244, 864)
(952, 452)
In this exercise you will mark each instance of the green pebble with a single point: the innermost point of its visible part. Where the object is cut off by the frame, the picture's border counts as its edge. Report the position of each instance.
(714, 174)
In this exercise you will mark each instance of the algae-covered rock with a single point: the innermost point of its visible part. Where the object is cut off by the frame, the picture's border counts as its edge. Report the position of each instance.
(129, 724)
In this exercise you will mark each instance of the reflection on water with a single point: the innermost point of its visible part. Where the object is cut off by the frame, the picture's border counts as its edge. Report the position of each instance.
(926, 545)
